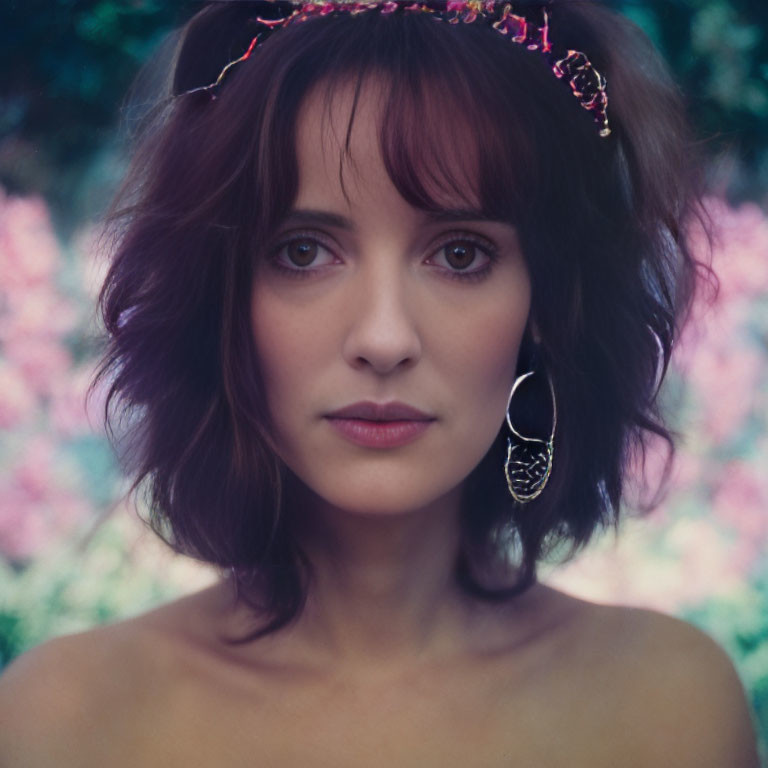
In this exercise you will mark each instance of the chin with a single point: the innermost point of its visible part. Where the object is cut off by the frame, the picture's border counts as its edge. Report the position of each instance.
(383, 496)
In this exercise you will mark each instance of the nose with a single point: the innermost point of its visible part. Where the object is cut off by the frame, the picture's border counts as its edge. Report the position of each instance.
(381, 323)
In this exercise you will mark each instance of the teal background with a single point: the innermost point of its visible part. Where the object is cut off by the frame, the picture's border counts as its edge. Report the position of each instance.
(73, 552)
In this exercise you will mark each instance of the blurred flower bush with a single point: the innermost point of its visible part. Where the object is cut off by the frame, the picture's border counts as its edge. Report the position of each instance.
(71, 554)
(74, 553)
(70, 64)
(702, 555)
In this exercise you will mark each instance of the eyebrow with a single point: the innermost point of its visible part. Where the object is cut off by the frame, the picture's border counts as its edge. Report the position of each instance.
(325, 218)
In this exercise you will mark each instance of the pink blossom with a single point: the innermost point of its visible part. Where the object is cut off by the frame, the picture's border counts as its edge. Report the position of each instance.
(689, 468)
(713, 326)
(740, 501)
(37, 503)
(724, 380)
(740, 264)
(716, 355)
(17, 402)
(38, 311)
(740, 259)
(696, 563)
(40, 361)
(29, 526)
(687, 471)
(68, 511)
(704, 558)
(70, 415)
(29, 252)
(23, 528)
(90, 261)
(32, 469)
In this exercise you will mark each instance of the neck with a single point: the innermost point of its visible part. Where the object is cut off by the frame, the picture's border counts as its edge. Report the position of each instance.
(383, 586)
(383, 597)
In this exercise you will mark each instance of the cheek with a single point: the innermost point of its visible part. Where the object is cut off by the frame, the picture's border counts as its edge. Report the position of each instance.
(283, 348)
(485, 362)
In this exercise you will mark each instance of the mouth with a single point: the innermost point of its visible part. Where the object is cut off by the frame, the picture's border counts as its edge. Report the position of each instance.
(378, 413)
(370, 433)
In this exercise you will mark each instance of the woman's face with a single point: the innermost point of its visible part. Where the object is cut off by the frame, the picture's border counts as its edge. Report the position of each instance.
(383, 304)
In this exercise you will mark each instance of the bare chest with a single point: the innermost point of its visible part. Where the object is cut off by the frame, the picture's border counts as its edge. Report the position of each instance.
(486, 718)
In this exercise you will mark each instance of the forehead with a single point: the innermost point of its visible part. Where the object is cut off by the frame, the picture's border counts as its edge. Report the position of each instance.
(365, 142)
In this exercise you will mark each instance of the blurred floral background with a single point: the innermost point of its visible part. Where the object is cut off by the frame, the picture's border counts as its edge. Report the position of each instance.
(74, 552)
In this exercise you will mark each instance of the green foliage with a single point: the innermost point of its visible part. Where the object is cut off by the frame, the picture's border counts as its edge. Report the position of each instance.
(11, 637)
(718, 52)
(741, 627)
(69, 63)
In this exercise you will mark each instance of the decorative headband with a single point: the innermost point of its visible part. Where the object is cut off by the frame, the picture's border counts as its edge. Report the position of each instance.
(587, 84)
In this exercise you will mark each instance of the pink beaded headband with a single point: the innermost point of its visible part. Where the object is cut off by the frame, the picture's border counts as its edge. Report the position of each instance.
(587, 84)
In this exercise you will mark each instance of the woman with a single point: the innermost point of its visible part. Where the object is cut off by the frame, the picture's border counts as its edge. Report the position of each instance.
(388, 309)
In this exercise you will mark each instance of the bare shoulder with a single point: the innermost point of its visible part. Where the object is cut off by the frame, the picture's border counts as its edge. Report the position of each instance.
(678, 685)
(44, 704)
(60, 700)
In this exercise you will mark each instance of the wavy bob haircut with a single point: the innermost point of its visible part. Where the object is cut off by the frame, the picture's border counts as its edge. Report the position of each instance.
(602, 224)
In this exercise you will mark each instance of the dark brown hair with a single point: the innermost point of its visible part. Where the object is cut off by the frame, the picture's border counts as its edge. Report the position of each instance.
(601, 221)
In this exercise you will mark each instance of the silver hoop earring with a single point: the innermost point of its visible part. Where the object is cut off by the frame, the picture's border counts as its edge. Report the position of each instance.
(529, 462)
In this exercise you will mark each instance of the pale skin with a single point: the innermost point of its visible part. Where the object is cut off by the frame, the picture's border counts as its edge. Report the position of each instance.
(390, 664)
(381, 318)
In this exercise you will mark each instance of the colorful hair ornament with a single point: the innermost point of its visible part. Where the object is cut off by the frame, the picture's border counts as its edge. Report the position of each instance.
(587, 84)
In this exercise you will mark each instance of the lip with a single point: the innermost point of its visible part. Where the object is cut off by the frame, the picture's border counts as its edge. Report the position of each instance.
(380, 434)
(370, 411)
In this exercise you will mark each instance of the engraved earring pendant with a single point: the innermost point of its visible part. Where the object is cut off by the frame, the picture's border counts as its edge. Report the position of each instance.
(529, 459)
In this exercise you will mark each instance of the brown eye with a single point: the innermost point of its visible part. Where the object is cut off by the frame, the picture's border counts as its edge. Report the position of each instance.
(460, 253)
(302, 252)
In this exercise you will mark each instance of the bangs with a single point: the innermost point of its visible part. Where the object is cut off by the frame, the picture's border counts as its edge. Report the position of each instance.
(451, 125)
(437, 153)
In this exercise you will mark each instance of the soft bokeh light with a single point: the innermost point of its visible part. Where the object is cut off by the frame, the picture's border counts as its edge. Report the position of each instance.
(74, 553)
